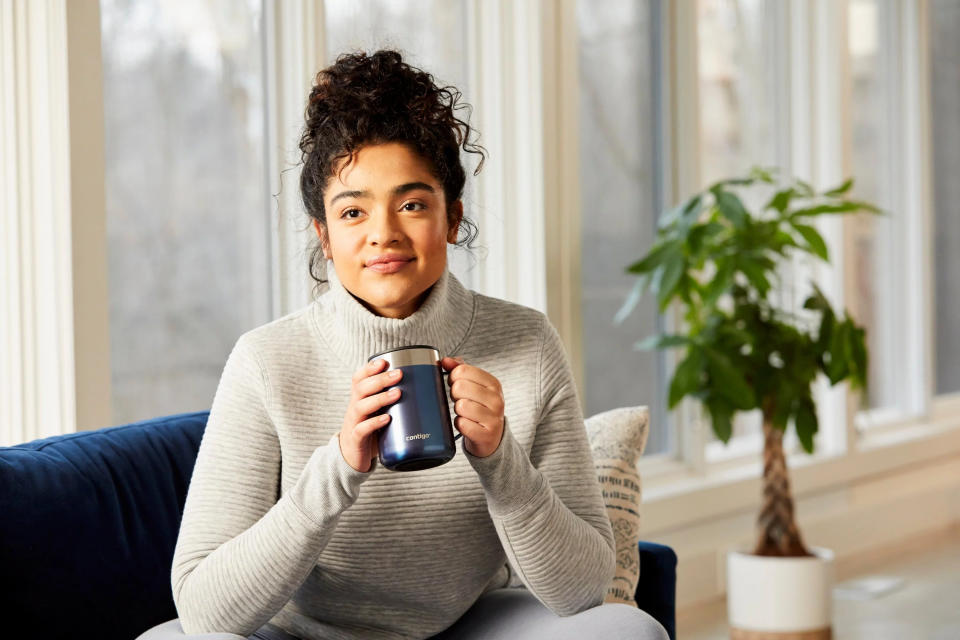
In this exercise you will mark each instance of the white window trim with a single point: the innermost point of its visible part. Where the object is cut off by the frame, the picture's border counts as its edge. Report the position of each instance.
(55, 373)
(505, 48)
(294, 53)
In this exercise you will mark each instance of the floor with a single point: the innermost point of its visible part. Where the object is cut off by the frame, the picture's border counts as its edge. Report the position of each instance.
(925, 607)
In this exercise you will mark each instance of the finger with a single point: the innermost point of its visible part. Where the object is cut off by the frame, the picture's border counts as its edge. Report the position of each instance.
(475, 411)
(368, 405)
(371, 425)
(476, 374)
(449, 363)
(471, 390)
(470, 428)
(378, 382)
(368, 370)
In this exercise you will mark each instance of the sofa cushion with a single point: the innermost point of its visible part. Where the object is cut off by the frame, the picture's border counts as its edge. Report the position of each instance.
(617, 439)
(90, 521)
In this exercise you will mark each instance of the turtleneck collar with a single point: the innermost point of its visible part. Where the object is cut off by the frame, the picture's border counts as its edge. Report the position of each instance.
(355, 333)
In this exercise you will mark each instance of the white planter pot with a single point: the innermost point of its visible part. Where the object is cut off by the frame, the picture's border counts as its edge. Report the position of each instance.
(780, 595)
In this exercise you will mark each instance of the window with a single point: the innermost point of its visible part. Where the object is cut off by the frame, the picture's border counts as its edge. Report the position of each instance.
(187, 205)
(878, 263)
(755, 65)
(620, 203)
(874, 256)
(945, 129)
(737, 86)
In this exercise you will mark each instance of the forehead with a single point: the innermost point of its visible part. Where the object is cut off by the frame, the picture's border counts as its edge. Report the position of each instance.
(382, 166)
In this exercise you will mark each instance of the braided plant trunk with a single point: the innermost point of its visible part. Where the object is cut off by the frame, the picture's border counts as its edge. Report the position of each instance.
(776, 526)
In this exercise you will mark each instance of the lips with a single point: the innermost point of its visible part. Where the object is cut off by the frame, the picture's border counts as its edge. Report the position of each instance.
(388, 264)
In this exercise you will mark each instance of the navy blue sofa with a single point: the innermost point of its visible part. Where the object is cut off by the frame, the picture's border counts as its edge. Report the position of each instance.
(89, 521)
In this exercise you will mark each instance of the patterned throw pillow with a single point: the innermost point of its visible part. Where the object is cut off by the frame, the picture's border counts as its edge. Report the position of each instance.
(617, 439)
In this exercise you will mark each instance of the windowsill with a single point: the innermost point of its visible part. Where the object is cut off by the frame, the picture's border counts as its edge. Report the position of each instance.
(674, 497)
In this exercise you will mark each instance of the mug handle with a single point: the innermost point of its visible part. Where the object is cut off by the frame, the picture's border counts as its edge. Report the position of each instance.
(446, 373)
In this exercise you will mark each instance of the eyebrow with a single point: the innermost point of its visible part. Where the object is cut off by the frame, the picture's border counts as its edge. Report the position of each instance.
(398, 190)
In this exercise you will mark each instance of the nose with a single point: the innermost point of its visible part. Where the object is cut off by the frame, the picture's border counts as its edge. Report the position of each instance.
(385, 229)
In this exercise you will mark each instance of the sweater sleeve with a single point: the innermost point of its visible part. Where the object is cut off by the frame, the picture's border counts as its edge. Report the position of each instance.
(548, 508)
(241, 552)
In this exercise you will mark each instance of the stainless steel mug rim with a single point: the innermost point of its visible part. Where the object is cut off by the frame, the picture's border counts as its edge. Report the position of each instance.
(407, 356)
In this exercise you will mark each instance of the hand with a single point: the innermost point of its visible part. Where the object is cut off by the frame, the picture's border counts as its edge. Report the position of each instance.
(358, 442)
(478, 403)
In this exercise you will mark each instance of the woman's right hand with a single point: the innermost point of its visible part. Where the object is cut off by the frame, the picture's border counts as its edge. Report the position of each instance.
(358, 442)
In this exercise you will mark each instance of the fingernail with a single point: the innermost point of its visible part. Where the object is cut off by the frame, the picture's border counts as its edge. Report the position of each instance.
(394, 374)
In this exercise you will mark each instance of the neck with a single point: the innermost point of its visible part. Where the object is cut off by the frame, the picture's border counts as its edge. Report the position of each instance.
(442, 320)
(389, 312)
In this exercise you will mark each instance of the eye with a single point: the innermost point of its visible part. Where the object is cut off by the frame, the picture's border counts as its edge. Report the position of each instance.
(346, 213)
(415, 204)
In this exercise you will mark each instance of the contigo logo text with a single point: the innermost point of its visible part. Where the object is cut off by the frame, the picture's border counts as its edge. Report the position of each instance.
(419, 436)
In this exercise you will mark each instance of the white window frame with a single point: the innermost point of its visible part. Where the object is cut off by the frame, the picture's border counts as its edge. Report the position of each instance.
(907, 190)
(54, 339)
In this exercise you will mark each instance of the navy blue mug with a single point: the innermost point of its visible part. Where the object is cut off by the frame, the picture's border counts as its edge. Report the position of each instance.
(420, 433)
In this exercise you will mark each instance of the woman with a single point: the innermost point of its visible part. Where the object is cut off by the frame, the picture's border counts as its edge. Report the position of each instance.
(291, 529)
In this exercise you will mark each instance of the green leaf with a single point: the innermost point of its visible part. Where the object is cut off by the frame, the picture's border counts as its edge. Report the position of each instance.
(686, 377)
(814, 240)
(817, 301)
(689, 209)
(632, 299)
(805, 189)
(806, 422)
(721, 415)
(657, 254)
(840, 357)
(842, 207)
(736, 182)
(764, 175)
(842, 189)
(782, 239)
(783, 409)
(781, 200)
(731, 207)
(666, 285)
(700, 234)
(828, 323)
(755, 274)
(660, 341)
(720, 283)
(729, 381)
(858, 350)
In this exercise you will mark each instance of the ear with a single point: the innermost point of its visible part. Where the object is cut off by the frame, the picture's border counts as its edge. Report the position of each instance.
(456, 213)
(322, 234)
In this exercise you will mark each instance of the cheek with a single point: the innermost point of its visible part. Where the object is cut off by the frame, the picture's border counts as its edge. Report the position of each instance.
(430, 238)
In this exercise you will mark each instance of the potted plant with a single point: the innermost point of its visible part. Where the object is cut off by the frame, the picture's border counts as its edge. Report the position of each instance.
(719, 262)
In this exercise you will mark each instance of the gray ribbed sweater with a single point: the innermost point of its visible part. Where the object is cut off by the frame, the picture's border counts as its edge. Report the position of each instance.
(278, 527)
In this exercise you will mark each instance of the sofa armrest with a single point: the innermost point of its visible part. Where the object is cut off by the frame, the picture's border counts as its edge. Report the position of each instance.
(657, 588)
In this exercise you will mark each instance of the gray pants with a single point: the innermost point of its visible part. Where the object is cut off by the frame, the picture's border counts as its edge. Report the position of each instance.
(502, 614)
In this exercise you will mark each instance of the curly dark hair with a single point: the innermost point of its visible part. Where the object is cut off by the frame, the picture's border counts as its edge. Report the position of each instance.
(366, 99)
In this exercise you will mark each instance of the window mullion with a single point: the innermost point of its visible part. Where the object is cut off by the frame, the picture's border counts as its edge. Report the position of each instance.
(917, 202)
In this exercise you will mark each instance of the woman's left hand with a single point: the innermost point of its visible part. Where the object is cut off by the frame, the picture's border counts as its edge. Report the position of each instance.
(478, 403)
